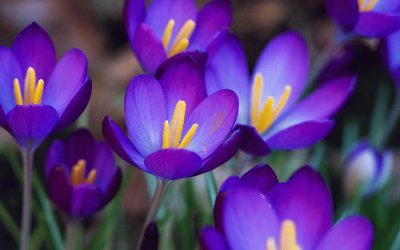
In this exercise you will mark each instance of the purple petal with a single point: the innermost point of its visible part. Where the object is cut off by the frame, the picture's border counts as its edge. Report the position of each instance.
(76, 106)
(352, 233)
(86, 200)
(248, 220)
(222, 154)
(345, 12)
(390, 51)
(148, 48)
(301, 135)
(121, 144)
(9, 70)
(54, 157)
(173, 163)
(104, 162)
(113, 185)
(145, 113)
(150, 238)
(284, 61)
(305, 200)
(387, 6)
(375, 24)
(134, 12)
(215, 15)
(183, 79)
(215, 117)
(252, 142)
(59, 188)
(261, 177)
(67, 78)
(227, 69)
(211, 239)
(161, 11)
(31, 124)
(33, 48)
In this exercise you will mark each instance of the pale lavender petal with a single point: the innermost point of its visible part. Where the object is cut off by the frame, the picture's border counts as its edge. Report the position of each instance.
(387, 6)
(9, 70)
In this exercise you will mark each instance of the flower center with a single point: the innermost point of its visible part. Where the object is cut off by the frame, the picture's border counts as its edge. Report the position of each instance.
(78, 174)
(366, 5)
(172, 134)
(263, 119)
(181, 41)
(33, 91)
(287, 238)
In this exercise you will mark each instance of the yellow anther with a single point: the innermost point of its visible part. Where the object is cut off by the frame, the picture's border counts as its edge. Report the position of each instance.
(92, 176)
(17, 93)
(78, 174)
(189, 135)
(287, 238)
(167, 33)
(181, 46)
(29, 85)
(256, 97)
(184, 33)
(37, 98)
(271, 244)
(366, 5)
(172, 135)
(266, 118)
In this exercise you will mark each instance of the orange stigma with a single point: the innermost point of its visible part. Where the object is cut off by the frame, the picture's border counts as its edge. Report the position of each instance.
(78, 174)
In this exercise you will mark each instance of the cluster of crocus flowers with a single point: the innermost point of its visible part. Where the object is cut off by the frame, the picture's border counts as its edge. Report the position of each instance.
(256, 212)
(270, 116)
(38, 93)
(175, 129)
(81, 174)
(168, 27)
(366, 170)
(369, 18)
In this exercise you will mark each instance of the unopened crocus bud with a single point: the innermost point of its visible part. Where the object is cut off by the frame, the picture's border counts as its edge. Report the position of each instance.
(366, 170)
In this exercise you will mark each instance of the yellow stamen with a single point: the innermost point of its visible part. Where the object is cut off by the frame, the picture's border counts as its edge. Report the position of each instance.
(17, 93)
(92, 176)
(167, 33)
(256, 97)
(366, 6)
(78, 173)
(29, 85)
(265, 119)
(184, 33)
(38, 94)
(189, 135)
(287, 238)
(271, 244)
(181, 46)
(165, 142)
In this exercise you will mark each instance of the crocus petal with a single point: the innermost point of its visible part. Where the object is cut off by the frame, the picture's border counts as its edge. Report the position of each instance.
(345, 12)
(248, 220)
(86, 199)
(183, 79)
(387, 6)
(321, 104)
(161, 11)
(53, 157)
(227, 69)
(353, 233)
(145, 113)
(59, 188)
(9, 70)
(31, 124)
(375, 24)
(121, 144)
(66, 80)
(305, 200)
(150, 238)
(215, 117)
(104, 162)
(252, 142)
(173, 163)
(134, 11)
(223, 153)
(301, 135)
(34, 48)
(211, 239)
(113, 186)
(261, 177)
(76, 106)
(390, 51)
(284, 61)
(148, 48)
(215, 15)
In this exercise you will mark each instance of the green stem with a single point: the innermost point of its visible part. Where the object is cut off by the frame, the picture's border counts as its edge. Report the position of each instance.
(70, 231)
(391, 122)
(154, 207)
(211, 187)
(27, 158)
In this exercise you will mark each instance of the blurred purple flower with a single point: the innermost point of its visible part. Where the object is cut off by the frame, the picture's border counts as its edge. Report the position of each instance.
(39, 94)
(390, 52)
(168, 27)
(269, 115)
(256, 212)
(175, 130)
(81, 174)
(366, 168)
(369, 18)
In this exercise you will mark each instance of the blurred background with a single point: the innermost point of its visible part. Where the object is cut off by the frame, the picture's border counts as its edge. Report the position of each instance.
(96, 27)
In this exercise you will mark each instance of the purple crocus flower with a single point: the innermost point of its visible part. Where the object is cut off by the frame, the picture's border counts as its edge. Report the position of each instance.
(81, 174)
(168, 27)
(38, 93)
(175, 130)
(366, 168)
(256, 212)
(270, 116)
(369, 18)
(390, 53)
